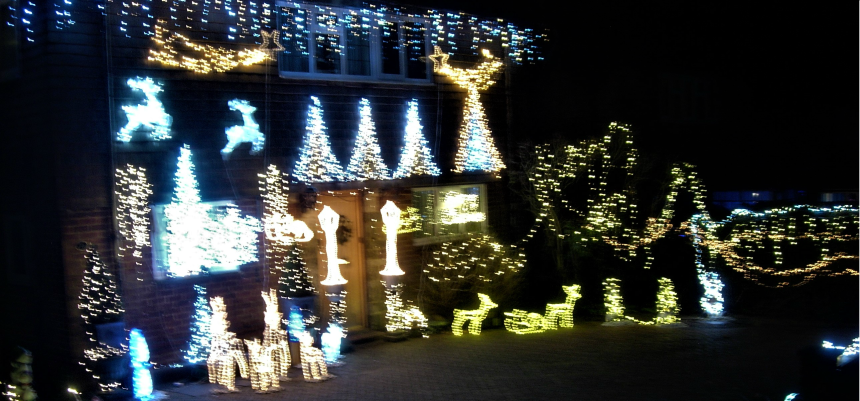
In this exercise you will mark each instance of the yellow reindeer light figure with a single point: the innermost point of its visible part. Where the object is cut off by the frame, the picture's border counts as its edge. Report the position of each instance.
(472, 317)
(275, 342)
(562, 312)
(226, 350)
(263, 376)
(314, 368)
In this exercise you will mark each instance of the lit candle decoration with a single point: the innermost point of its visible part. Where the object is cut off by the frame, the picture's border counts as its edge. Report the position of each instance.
(249, 132)
(329, 220)
(476, 151)
(474, 318)
(149, 116)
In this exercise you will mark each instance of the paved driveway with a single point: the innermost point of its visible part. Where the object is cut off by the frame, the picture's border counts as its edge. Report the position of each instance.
(743, 359)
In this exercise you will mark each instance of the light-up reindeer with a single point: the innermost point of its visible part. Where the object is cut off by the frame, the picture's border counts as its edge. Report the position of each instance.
(225, 351)
(275, 342)
(264, 379)
(250, 132)
(562, 314)
(150, 115)
(314, 368)
(473, 318)
(476, 148)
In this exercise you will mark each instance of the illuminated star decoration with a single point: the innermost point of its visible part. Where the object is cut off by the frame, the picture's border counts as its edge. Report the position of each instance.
(149, 116)
(249, 132)
(477, 151)
(196, 57)
(271, 43)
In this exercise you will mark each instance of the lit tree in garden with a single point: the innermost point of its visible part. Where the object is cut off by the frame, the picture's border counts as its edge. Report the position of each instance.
(198, 347)
(316, 162)
(366, 162)
(415, 158)
(295, 281)
(198, 238)
(476, 152)
(99, 303)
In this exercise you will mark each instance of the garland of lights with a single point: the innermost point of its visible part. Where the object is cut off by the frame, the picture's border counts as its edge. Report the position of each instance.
(366, 162)
(745, 234)
(149, 116)
(316, 161)
(132, 214)
(415, 158)
(476, 151)
(198, 346)
(473, 318)
(249, 132)
(174, 49)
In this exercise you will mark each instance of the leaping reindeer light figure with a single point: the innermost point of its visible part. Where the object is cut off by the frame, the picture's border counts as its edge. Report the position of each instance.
(150, 115)
(472, 317)
(250, 132)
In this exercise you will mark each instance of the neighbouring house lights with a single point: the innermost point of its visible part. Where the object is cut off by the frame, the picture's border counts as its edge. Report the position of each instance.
(329, 220)
(366, 162)
(391, 219)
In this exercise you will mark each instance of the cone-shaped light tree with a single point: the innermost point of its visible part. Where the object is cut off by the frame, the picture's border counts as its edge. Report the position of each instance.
(415, 159)
(316, 161)
(366, 162)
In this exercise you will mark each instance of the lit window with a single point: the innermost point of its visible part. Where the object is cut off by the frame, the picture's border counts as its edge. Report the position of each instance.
(335, 43)
(449, 212)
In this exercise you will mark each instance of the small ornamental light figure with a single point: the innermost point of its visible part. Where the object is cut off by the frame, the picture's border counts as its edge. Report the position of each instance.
(329, 220)
(391, 219)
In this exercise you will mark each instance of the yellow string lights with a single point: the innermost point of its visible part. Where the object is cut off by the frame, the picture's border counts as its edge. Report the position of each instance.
(399, 316)
(226, 350)
(667, 304)
(522, 322)
(745, 236)
(132, 214)
(176, 50)
(474, 318)
(476, 150)
(562, 314)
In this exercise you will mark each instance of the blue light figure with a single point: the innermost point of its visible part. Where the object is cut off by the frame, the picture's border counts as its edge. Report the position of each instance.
(295, 323)
(141, 379)
(331, 343)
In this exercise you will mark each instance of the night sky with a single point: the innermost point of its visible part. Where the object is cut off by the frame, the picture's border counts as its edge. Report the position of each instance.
(777, 83)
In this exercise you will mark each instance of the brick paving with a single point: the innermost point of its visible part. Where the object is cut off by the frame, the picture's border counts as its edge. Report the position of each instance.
(740, 359)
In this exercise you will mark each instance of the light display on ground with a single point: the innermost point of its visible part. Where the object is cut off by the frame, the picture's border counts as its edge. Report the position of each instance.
(415, 158)
(476, 149)
(314, 368)
(132, 213)
(329, 220)
(562, 314)
(522, 322)
(226, 351)
(330, 341)
(745, 235)
(474, 318)
(249, 132)
(262, 372)
(399, 316)
(149, 116)
(391, 219)
(366, 162)
(316, 161)
(198, 346)
(141, 377)
(667, 303)
(275, 346)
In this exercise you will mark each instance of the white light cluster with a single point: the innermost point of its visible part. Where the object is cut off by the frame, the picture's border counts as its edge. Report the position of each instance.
(330, 342)
(316, 161)
(329, 221)
(743, 235)
(366, 162)
(149, 116)
(391, 219)
(198, 239)
(141, 377)
(474, 318)
(476, 151)
(415, 158)
(198, 346)
(249, 132)
(226, 350)
(132, 215)
(458, 208)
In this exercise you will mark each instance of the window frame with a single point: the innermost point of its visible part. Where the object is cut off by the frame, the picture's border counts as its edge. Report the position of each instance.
(436, 237)
(312, 29)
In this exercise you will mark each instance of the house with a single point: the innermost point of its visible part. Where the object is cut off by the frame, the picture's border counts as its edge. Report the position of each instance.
(97, 95)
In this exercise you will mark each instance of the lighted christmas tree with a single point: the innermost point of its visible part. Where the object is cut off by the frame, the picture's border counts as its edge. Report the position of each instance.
(198, 346)
(415, 158)
(316, 162)
(366, 162)
(295, 281)
(189, 226)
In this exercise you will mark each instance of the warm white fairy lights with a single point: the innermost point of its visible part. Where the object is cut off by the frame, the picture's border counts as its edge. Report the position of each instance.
(278, 224)
(262, 373)
(316, 161)
(667, 303)
(391, 219)
(476, 151)
(198, 346)
(522, 322)
(398, 315)
(562, 314)
(275, 342)
(314, 367)
(459, 208)
(141, 377)
(149, 116)
(132, 213)
(612, 300)
(415, 158)
(329, 221)
(249, 132)
(173, 49)
(745, 236)
(366, 162)
(226, 350)
(474, 318)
